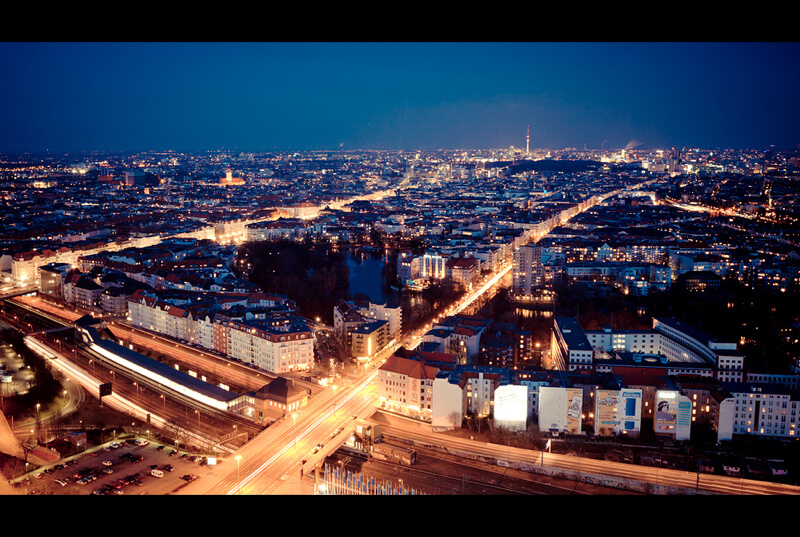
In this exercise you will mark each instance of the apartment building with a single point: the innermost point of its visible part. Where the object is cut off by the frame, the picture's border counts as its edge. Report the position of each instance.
(346, 318)
(277, 345)
(369, 338)
(669, 341)
(463, 270)
(406, 386)
(382, 312)
(528, 270)
(277, 349)
(479, 384)
(764, 410)
(570, 349)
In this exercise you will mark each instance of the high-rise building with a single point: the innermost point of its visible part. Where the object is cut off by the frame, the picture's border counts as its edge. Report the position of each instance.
(528, 271)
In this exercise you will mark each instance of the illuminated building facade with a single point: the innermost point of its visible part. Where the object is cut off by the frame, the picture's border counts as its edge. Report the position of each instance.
(406, 386)
(528, 271)
(276, 345)
(369, 338)
(230, 180)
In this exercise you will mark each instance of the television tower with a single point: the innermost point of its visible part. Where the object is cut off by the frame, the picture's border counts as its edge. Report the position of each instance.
(528, 141)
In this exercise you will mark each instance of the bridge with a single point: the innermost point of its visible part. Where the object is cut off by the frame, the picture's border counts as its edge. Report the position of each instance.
(18, 291)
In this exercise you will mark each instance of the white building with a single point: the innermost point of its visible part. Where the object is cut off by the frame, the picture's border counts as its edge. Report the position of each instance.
(392, 315)
(528, 271)
(573, 348)
(275, 349)
(765, 410)
(448, 407)
(406, 386)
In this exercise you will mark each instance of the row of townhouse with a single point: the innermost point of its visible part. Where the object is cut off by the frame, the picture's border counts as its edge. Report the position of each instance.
(277, 342)
(666, 264)
(100, 291)
(435, 389)
(461, 259)
(282, 228)
(133, 253)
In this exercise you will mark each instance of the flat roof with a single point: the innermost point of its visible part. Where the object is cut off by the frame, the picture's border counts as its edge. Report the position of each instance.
(175, 375)
(573, 334)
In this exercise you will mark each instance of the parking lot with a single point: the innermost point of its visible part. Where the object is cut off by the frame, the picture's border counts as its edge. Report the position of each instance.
(119, 468)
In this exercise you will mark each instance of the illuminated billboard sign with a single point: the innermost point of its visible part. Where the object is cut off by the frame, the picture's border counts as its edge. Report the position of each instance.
(605, 413)
(630, 412)
(673, 415)
(552, 409)
(511, 407)
(574, 410)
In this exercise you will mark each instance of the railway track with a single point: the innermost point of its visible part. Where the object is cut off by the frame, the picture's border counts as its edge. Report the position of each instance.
(176, 408)
(436, 474)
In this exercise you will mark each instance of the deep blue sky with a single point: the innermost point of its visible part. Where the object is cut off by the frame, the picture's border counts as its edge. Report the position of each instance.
(322, 96)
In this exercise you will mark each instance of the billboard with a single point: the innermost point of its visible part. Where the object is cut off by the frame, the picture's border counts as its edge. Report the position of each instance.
(673, 415)
(630, 412)
(552, 409)
(574, 410)
(413, 392)
(605, 412)
(511, 407)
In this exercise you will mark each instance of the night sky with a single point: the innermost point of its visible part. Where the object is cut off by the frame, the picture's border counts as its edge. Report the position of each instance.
(68, 97)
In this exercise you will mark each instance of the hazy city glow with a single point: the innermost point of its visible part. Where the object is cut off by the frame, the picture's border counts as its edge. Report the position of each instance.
(337, 268)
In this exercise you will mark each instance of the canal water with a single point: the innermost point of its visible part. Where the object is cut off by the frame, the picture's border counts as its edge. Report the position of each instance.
(366, 277)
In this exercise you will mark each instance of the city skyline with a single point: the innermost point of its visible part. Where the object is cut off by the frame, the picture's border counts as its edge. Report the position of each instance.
(68, 97)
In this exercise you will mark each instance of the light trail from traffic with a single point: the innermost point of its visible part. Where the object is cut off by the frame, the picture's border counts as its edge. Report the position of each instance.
(488, 285)
(299, 433)
(114, 400)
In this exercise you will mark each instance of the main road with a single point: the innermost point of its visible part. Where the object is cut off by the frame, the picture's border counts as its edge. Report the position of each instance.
(288, 448)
